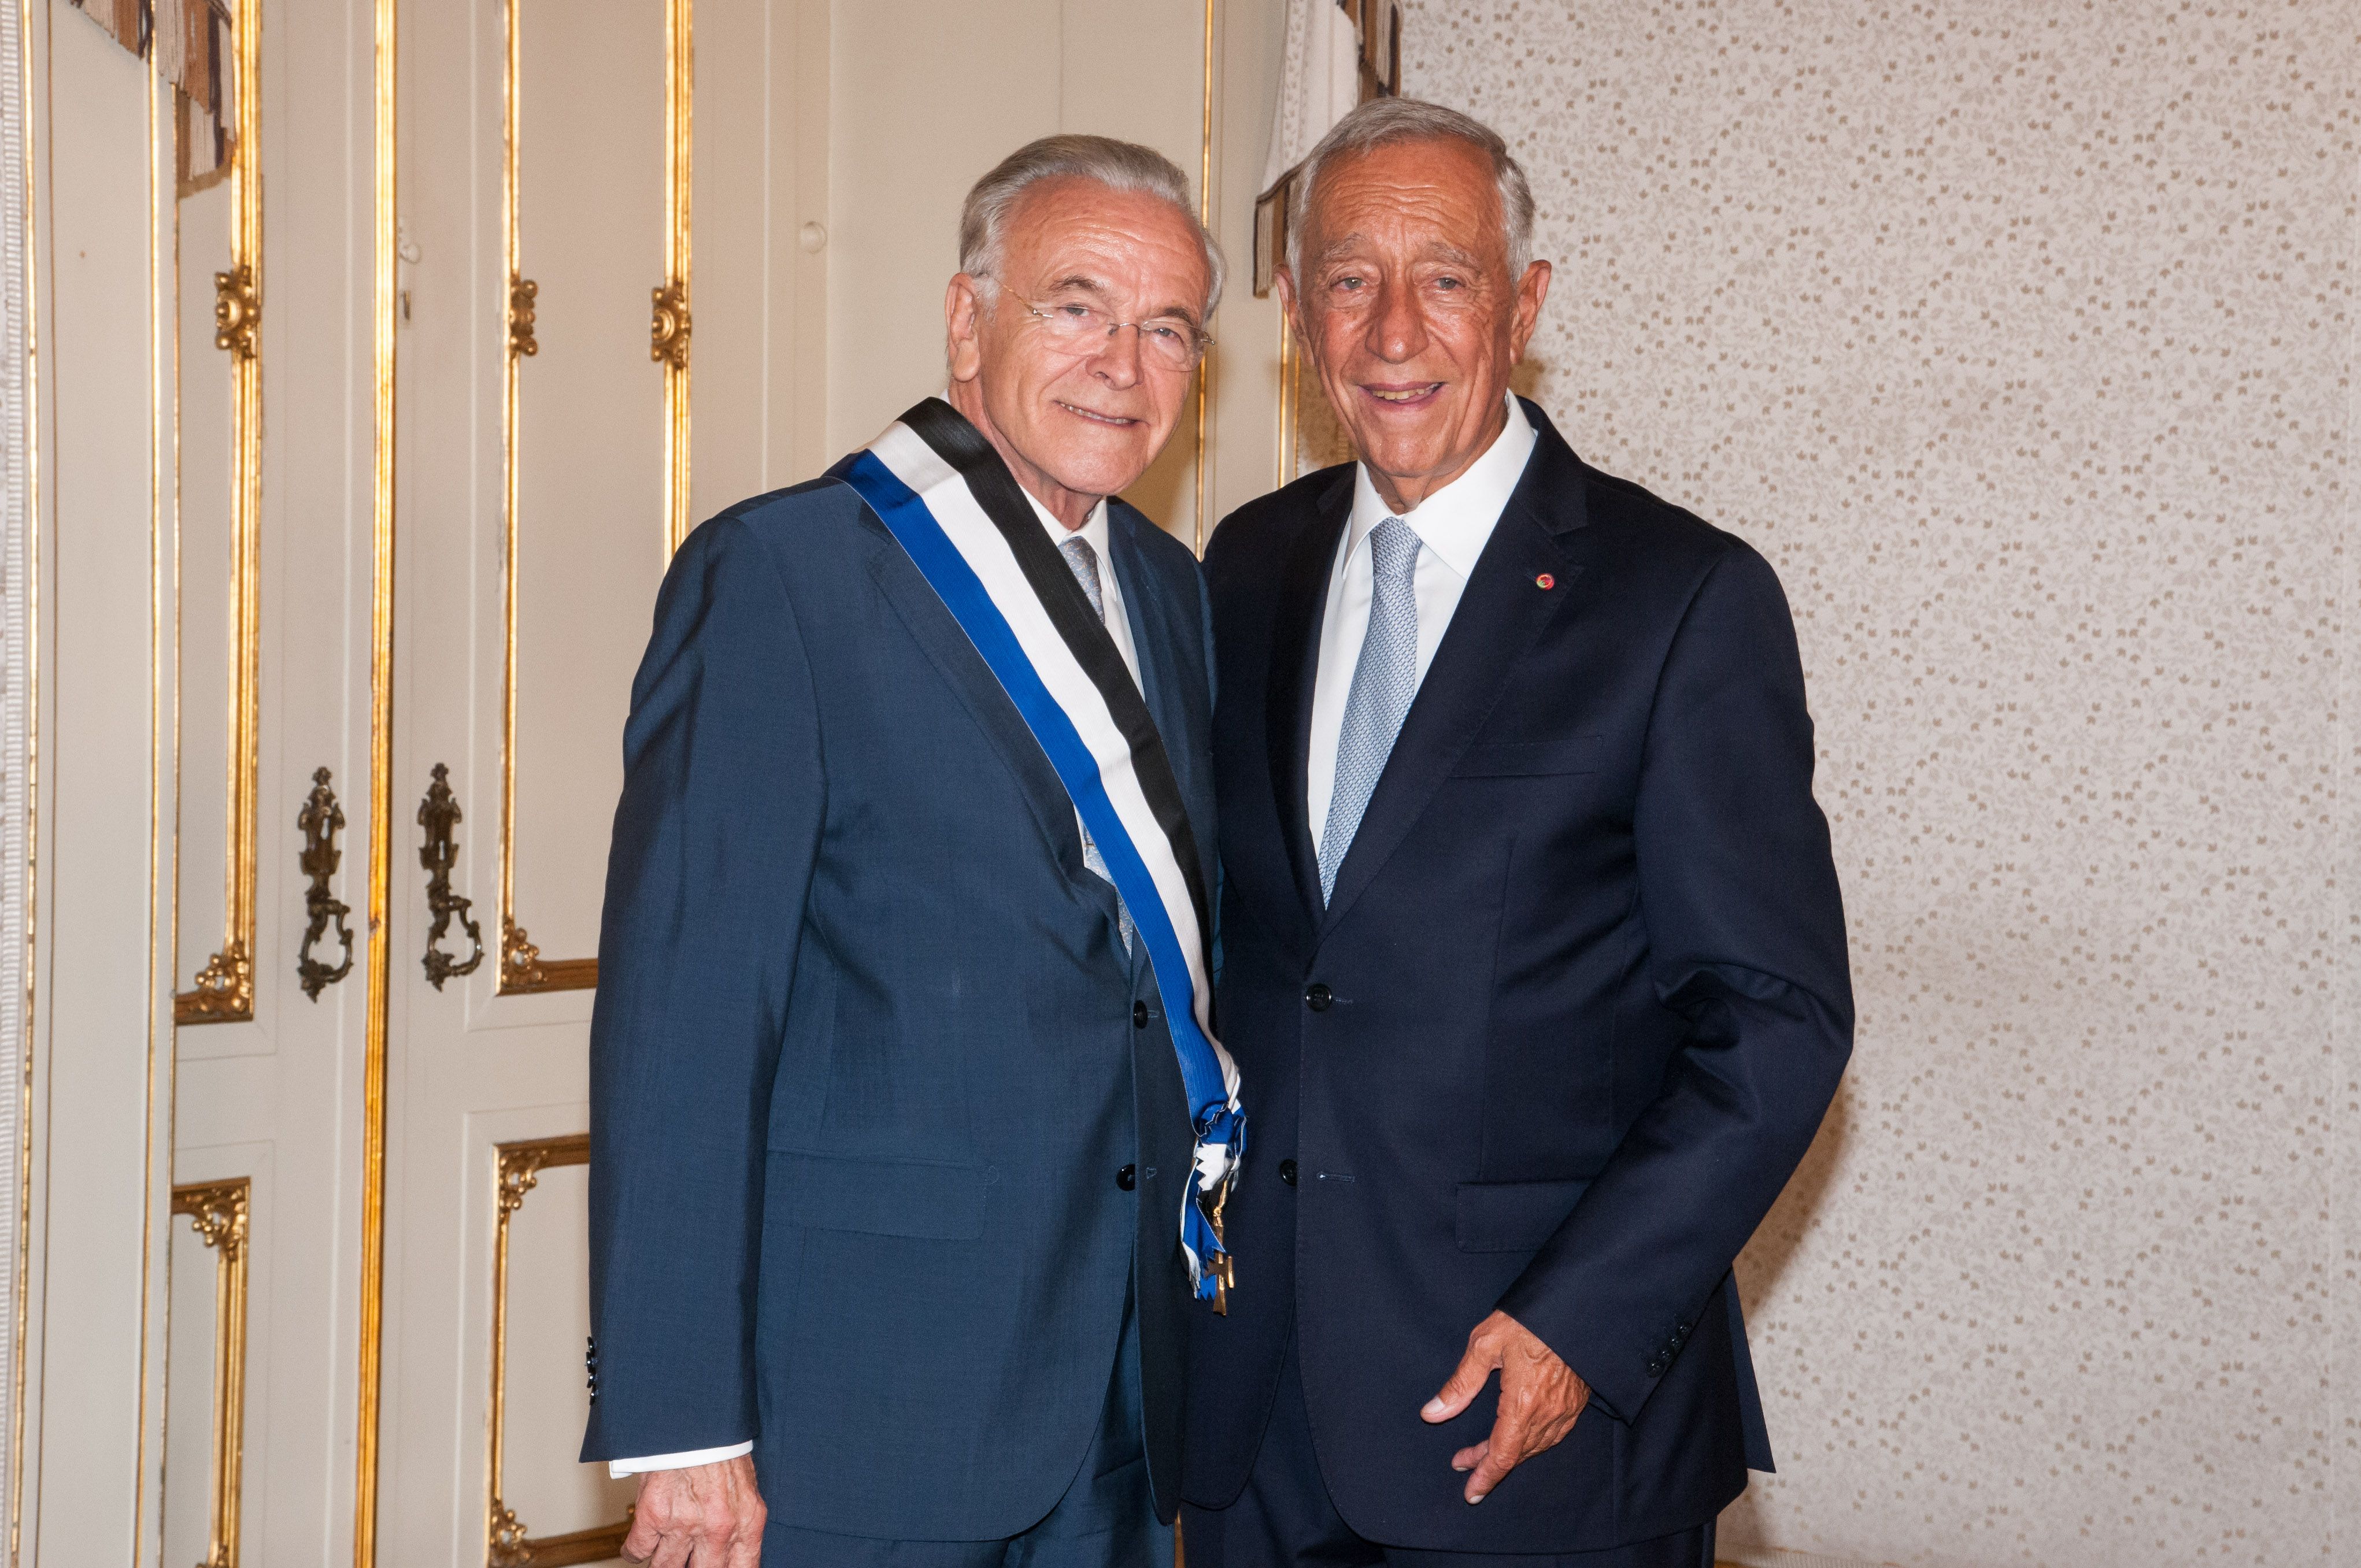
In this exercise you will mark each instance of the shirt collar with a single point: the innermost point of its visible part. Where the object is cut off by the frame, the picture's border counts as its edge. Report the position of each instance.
(1094, 529)
(1456, 522)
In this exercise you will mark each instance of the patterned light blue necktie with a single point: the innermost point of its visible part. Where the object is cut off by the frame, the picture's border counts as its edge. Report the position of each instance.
(1384, 680)
(1083, 562)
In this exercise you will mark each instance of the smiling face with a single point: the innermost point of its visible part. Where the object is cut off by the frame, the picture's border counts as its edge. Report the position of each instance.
(1078, 420)
(1407, 308)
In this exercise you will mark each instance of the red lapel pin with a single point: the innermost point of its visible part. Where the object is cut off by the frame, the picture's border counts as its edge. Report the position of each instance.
(1545, 581)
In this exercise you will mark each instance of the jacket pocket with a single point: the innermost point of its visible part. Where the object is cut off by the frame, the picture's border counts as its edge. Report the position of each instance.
(1532, 759)
(925, 1199)
(1513, 1216)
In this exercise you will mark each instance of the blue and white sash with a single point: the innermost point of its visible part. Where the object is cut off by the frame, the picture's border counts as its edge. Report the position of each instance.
(944, 494)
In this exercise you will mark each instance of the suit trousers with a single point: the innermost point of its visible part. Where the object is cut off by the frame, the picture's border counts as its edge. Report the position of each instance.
(1105, 1520)
(1285, 1518)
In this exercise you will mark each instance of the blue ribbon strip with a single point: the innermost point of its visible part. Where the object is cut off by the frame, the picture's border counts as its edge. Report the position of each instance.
(906, 516)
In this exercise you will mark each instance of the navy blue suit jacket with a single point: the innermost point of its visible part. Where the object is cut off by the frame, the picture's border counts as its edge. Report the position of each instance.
(868, 1053)
(1567, 1026)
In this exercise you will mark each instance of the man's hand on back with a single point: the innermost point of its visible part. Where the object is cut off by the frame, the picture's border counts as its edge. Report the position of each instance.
(707, 1516)
(1541, 1396)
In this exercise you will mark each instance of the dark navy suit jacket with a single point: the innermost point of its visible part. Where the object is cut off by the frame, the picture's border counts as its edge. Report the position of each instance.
(868, 1053)
(1566, 1028)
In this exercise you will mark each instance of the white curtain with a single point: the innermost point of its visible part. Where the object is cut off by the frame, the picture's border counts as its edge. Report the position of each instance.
(1319, 84)
(16, 525)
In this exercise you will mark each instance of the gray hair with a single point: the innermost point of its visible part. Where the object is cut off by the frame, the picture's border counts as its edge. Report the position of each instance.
(1383, 121)
(1118, 165)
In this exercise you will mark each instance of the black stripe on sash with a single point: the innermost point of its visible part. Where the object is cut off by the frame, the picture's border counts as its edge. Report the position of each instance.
(963, 447)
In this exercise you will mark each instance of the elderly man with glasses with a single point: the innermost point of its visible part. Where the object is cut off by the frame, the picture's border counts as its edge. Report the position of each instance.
(908, 1125)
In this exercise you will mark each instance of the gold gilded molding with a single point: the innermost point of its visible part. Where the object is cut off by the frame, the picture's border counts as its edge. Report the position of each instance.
(523, 294)
(524, 970)
(237, 309)
(680, 71)
(507, 1542)
(1286, 400)
(28, 127)
(600, 1543)
(163, 580)
(1205, 220)
(668, 325)
(521, 970)
(510, 970)
(224, 988)
(222, 1211)
(384, 303)
(223, 991)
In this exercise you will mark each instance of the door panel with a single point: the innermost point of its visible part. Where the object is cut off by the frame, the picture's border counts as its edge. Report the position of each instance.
(543, 1502)
(208, 51)
(256, 1381)
(246, 1465)
(214, 480)
(536, 493)
(591, 449)
(206, 426)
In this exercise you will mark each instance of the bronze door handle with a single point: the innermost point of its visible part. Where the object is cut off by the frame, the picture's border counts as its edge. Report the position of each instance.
(439, 814)
(320, 820)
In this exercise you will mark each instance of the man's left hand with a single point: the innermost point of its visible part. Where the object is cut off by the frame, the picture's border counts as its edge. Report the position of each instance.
(1540, 1397)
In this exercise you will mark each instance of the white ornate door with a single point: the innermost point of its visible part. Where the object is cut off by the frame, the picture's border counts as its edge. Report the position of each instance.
(575, 383)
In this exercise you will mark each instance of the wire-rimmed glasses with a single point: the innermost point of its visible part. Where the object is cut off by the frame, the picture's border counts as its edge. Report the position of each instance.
(1172, 341)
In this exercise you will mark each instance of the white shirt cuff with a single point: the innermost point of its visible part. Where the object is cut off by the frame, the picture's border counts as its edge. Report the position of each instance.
(618, 1468)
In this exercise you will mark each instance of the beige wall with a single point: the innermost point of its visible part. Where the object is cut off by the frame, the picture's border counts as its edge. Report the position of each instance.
(924, 97)
(2019, 336)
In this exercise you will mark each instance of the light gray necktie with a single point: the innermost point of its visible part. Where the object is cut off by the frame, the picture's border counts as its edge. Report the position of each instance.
(1083, 562)
(1384, 680)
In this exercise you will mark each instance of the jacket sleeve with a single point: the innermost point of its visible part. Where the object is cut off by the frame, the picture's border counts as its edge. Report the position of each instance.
(723, 795)
(1746, 943)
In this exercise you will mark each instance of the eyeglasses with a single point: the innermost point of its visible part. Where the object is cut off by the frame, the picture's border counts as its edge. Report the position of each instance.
(1077, 325)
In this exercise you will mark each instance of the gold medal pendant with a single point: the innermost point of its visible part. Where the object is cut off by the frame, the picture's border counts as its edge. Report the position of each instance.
(1224, 1271)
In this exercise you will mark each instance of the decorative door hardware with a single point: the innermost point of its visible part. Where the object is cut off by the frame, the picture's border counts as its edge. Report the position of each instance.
(524, 970)
(668, 326)
(320, 820)
(237, 310)
(223, 991)
(523, 292)
(439, 814)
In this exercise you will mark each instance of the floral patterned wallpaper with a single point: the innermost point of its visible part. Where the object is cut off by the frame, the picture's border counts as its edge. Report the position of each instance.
(2019, 334)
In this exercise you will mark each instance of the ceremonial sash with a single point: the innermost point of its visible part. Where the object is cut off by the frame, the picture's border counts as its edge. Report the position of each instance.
(947, 498)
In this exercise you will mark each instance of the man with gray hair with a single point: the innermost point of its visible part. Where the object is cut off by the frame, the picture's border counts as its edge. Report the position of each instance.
(909, 1127)
(1531, 941)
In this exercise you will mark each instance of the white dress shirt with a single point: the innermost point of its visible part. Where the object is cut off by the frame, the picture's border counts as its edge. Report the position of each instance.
(1453, 526)
(1118, 625)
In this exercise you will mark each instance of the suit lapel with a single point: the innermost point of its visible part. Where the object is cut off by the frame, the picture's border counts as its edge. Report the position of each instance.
(1152, 637)
(1167, 651)
(1301, 605)
(955, 658)
(1500, 615)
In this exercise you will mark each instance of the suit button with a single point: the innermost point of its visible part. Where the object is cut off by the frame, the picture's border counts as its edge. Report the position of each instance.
(1139, 1014)
(1318, 997)
(1127, 1178)
(1286, 1171)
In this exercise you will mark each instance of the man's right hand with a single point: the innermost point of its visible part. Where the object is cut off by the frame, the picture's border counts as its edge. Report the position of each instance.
(707, 1516)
